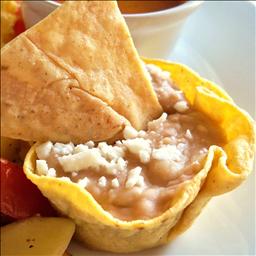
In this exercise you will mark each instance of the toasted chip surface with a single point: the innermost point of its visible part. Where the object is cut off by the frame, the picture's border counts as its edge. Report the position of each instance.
(73, 73)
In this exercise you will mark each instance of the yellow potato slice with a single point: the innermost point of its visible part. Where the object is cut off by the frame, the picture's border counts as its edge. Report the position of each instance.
(37, 236)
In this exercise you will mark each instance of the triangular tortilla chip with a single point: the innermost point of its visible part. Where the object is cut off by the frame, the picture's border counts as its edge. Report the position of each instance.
(75, 76)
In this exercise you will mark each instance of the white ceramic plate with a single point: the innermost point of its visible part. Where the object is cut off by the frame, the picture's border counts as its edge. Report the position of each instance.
(218, 41)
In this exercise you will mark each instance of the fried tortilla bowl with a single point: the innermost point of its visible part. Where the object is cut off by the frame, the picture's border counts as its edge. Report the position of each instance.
(224, 169)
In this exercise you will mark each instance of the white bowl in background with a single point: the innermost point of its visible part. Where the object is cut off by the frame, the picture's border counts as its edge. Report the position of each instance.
(154, 33)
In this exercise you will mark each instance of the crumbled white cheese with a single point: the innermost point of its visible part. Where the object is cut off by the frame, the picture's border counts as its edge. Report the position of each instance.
(144, 156)
(174, 168)
(83, 182)
(115, 183)
(121, 164)
(41, 167)
(103, 146)
(44, 150)
(63, 149)
(116, 165)
(119, 143)
(90, 144)
(80, 148)
(74, 174)
(181, 147)
(51, 172)
(133, 177)
(181, 106)
(119, 151)
(137, 144)
(188, 134)
(111, 167)
(129, 132)
(141, 133)
(110, 152)
(65, 179)
(102, 181)
(169, 152)
(156, 123)
(165, 75)
(147, 206)
(140, 181)
(83, 160)
(160, 154)
(158, 72)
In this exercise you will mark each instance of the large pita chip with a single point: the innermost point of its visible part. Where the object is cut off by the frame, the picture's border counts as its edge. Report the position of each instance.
(75, 76)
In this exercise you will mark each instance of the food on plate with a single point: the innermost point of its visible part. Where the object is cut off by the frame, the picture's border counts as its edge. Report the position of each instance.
(137, 177)
(20, 198)
(145, 190)
(131, 150)
(37, 236)
(66, 84)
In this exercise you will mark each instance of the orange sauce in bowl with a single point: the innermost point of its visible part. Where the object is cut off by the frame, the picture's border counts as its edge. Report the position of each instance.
(131, 7)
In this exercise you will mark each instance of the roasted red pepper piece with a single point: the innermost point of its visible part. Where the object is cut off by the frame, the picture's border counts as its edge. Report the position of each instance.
(20, 198)
(19, 26)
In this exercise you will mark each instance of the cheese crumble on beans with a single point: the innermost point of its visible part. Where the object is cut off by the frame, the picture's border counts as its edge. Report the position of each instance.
(137, 177)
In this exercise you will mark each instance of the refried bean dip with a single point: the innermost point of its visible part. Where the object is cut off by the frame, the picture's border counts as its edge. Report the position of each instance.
(137, 178)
